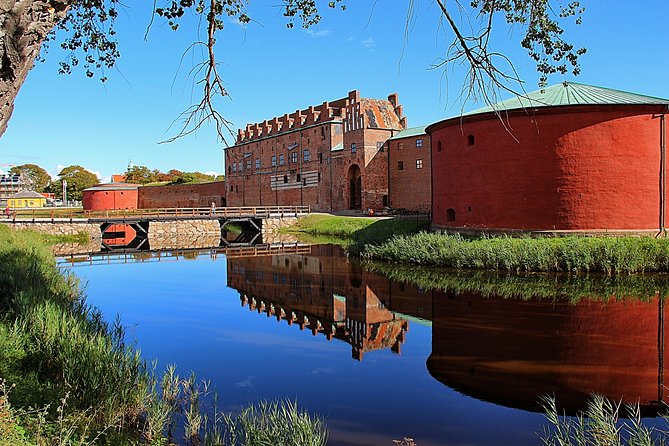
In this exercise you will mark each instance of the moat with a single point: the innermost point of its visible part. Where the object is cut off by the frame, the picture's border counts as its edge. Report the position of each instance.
(382, 359)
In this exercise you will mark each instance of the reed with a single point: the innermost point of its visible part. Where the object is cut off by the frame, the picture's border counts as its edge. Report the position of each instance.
(62, 357)
(599, 425)
(567, 254)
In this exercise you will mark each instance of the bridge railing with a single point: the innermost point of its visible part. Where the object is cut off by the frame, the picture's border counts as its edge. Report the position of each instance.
(161, 213)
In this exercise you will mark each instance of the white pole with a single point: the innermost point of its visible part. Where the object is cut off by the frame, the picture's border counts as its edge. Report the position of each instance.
(65, 192)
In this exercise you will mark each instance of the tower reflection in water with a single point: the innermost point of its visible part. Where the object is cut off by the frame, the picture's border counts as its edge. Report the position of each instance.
(506, 351)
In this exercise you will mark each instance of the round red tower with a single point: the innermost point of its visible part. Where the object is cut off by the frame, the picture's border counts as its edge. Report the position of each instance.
(110, 196)
(570, 157)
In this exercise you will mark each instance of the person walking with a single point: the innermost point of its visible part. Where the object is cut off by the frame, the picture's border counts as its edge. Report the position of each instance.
(213, 208)
(8, 211)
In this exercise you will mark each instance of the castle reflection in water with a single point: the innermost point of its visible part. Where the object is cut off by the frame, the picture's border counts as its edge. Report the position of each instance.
(506, 351)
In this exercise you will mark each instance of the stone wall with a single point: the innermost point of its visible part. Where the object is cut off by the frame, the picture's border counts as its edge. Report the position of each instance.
(272, 225)
(184, 233)
(92, 229)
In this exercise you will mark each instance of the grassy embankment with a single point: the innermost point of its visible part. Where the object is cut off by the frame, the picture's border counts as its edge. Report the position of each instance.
(399, 241)
(67, 377)
(354, 232)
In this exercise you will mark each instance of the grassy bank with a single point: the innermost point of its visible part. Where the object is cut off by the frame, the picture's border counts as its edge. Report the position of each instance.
(356, 232)
(568, 254)
(67, 377)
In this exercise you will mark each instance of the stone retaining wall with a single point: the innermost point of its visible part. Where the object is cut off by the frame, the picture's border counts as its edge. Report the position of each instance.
(184, 233)
(93, 230)
(272, 225)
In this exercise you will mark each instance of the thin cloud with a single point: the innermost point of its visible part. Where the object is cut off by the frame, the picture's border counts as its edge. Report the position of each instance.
(369, 43)
(319, 33)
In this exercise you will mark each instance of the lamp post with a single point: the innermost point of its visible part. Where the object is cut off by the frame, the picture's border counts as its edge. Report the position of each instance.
(65, 192)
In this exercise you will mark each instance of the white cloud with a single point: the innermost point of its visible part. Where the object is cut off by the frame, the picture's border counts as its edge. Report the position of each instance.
(350, 39)
(319, 33)
(369, 43)
(213, 173)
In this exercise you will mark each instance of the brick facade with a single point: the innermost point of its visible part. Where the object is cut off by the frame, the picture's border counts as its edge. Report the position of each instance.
(182, 196)
(330, 157)
(410, 171)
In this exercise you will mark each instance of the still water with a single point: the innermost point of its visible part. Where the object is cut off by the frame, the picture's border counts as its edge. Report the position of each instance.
(380, 359)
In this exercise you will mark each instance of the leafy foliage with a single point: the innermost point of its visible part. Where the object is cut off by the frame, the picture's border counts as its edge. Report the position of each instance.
(37, 177)
(77, 179)
(90, 39)
(140, 175)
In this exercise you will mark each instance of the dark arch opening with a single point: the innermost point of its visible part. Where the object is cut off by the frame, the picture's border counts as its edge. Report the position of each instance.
(355, 187)
(438, 146)
(450, 214)
(471, 140)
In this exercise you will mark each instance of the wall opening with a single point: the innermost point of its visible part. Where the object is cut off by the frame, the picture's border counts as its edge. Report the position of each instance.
(438, 146)
(471, 140)
(450, 214)
(355, 187)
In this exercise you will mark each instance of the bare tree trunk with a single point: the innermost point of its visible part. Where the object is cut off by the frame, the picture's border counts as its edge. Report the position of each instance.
(23, 26)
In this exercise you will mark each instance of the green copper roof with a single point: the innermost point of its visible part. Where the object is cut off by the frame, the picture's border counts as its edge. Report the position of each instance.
(571, 93)
(413, 131)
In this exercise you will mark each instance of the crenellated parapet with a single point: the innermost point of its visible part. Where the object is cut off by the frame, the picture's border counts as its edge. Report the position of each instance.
(314, 114)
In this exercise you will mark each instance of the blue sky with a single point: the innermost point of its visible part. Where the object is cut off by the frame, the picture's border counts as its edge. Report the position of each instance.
(271, 70)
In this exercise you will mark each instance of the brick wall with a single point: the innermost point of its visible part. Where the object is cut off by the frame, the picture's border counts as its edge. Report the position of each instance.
(270, 165)
(410, 187)
(182, 195)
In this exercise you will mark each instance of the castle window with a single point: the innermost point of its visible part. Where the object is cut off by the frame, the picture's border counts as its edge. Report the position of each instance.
(273, 160)
(320, 157)
(438, 146)
(285, 178)
(419, 164)
(450, 214)
(293, 157)
(257, 163)
(282, 160)
(319, 177)
(248, 164)
(354, 148)
(232, 188)
(471, 140)
(400, 165)
(229, 169)
(297, 178)
(307, 155)
(400, 145)
(234, 167)
(419, 143)
(304, 181)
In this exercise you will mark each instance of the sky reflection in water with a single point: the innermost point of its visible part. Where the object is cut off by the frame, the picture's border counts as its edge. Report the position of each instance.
(183, 312)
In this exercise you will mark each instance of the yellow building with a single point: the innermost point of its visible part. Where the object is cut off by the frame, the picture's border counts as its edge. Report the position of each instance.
(26, 199)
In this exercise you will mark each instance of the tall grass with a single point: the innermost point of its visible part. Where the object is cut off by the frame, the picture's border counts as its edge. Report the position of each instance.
(568, 254)
(599, 425)
(60, 356)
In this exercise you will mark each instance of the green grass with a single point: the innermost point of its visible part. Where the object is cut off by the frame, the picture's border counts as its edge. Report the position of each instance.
(67, 377)
(356, 232)
(600, 425)
(567, 254)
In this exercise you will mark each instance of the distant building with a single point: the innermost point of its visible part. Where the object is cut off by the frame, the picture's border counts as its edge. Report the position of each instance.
(569, 157)
(26, 199)
(11, 184)
(331, 156)
(110, 196)
(118, 178)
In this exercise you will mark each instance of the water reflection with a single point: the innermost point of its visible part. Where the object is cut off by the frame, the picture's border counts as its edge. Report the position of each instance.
(512, 351)
(489, 345)
(506, 351)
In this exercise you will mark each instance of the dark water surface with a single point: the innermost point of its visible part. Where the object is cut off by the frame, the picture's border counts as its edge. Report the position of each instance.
(380, 359)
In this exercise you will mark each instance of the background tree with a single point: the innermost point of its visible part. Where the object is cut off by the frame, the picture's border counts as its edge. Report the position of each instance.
(141, 175)
(37, 177)
(86, 29)
(77, 178)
